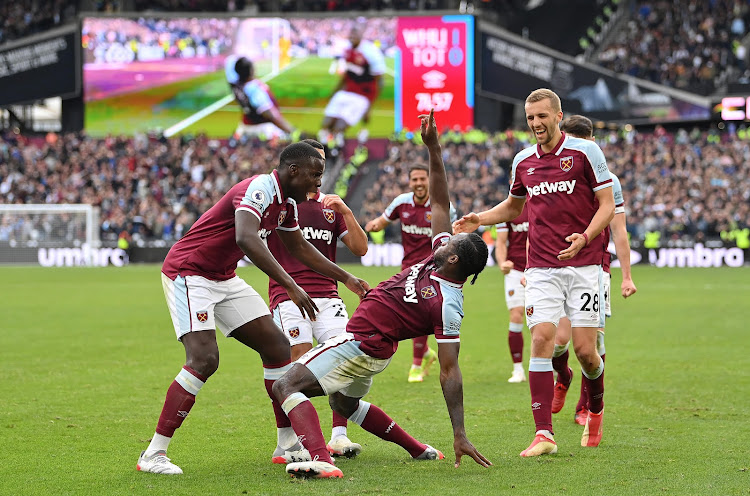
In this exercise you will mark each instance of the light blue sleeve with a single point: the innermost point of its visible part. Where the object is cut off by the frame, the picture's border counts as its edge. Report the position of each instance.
(258, 195)
(453, 310)
(617, 191)
(452, 213)
(259, 97)
(399, 200)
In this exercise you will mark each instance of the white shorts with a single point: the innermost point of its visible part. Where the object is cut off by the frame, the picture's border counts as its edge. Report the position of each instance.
(348, 106)
(514, 290)
(575, 292)
(266, 130)
(330, 321)
(340, 366)
(607, 281)
(199, 304)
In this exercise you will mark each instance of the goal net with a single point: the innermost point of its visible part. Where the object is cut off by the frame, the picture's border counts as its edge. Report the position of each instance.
(35, 232)
(262, 39)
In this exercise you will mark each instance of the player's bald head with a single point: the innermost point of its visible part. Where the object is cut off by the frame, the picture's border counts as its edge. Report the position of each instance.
(299, 153)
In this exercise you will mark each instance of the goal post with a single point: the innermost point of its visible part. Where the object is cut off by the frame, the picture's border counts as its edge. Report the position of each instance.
(30, 232)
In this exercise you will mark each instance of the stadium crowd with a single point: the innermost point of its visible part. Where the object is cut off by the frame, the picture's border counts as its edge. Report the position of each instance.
(21, 18)
(683, 184)
(692, 45)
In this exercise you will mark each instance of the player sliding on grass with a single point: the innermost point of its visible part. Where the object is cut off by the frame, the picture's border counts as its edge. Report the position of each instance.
(324, 219)
(426, 298)
(203, 291)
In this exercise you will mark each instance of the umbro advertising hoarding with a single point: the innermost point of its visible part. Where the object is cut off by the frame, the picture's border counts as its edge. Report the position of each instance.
(44, 67)
(511, 67)
(391, 254)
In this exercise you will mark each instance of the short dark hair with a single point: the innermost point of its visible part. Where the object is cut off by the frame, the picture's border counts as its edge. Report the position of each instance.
(472, 254)
(418, 167)
(314, 143)
(578, 126)
(244, 68)
(297, 151)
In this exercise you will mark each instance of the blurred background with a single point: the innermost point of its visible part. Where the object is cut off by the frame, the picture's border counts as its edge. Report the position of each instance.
(116, 120)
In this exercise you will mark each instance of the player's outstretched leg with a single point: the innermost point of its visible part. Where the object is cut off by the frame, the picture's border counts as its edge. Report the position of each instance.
(202, 355)
(340, 444)
(376, 421)
(263, 336)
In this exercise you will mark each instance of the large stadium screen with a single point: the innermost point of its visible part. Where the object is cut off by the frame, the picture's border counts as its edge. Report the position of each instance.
(436, 61)
(167, 74)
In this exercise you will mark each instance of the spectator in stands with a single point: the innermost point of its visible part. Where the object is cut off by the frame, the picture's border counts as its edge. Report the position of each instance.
(686, 44)
(678, 186)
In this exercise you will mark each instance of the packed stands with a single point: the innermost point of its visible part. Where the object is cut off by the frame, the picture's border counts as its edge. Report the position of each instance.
(691, 45)
(688, 184)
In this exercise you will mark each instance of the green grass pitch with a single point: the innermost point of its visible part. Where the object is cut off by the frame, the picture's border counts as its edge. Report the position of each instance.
(87, 356)
(302, 93)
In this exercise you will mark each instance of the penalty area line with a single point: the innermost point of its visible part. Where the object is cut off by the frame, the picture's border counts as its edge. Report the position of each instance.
(189, 121)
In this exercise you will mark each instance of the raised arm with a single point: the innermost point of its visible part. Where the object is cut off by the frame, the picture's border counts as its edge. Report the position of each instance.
(439, 197)
(355, 238)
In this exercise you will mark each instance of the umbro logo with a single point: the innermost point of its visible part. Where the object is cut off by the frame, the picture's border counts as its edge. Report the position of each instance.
(536, 405)
(530, 171)
(182, 413)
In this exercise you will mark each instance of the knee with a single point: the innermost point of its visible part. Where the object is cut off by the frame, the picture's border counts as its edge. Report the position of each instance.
(206, 363)
(586, 354)
(343, 405)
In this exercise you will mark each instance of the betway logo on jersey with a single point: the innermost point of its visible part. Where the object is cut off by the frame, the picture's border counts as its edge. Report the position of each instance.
(411, 279)
(556, 187)
(523, 227)
(312, 234)
(412, 229)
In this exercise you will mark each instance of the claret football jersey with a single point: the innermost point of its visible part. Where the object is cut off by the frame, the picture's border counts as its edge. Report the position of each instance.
(209, 248)
(415, 302)
(559, 188)
(322, 227)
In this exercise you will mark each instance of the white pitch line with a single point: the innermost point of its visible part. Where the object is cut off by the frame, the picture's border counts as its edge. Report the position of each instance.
(315, 110)
(171, 131)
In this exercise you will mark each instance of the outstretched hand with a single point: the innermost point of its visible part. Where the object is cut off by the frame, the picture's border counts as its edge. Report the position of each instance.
(357, 286)
(429, 129)
(306, 305)
(462, 446)
(466, 224)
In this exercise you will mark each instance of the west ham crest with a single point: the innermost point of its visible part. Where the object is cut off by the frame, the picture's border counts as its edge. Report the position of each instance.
(529, 311)
(282, 217)
(566, 163)
(511, 292)
(428, 292)
(294, 332)
(202, 315)
(428, 216)
(329, 215)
